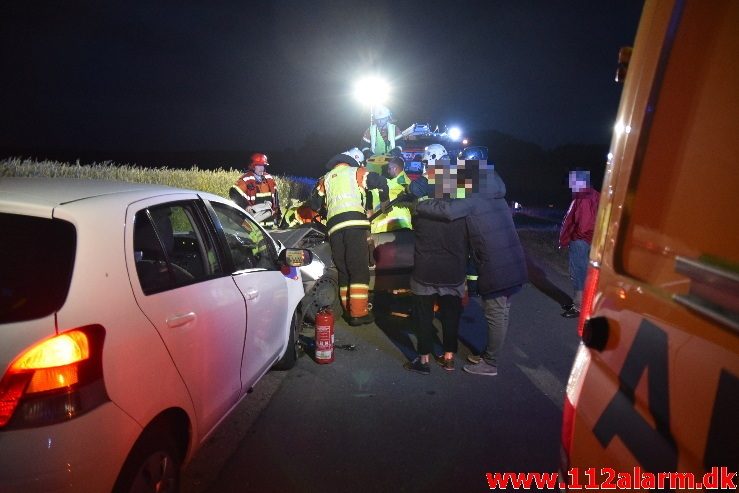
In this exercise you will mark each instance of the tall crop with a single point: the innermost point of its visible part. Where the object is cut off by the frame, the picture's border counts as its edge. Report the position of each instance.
(290, 188)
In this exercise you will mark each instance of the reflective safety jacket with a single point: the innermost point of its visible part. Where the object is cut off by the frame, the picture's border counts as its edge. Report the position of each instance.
(342, 191)
(379, 143)
(399, 217)
(297, 215)
(256, 191)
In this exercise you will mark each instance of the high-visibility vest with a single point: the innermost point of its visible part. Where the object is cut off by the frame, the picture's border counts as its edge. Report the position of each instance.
(378, 145)
(342, 192)
(397, 217)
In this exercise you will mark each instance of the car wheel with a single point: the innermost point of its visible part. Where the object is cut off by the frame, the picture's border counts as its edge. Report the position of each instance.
(153, 464)
(325, 292)
(290, 357)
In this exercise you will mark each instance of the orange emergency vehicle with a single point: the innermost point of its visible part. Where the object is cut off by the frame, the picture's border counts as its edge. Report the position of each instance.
(654, 387)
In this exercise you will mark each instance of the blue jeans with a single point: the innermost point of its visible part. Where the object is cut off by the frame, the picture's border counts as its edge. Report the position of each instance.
(579, 252)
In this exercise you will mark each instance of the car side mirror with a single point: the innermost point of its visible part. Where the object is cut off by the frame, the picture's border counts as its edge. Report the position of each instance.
(295, 257)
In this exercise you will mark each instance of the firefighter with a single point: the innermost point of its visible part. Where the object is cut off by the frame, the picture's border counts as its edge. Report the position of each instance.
(399, 216)
(256, 186)
(343, 192)
(382, 133)
(299, 213)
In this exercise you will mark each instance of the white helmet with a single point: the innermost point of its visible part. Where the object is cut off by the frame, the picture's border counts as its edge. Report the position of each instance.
(381, 112)
(260, 212)
(434, 152)
(355, 154)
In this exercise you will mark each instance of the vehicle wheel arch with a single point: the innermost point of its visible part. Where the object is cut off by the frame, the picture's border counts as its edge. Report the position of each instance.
(171, 431)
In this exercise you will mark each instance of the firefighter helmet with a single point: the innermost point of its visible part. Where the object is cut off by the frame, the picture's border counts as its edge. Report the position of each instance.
(258, 159)
(479, 153)
(434, 152)
(381, 112)
(355, 154)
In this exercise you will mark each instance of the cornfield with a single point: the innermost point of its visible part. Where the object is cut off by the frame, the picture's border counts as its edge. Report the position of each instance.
(290, 188)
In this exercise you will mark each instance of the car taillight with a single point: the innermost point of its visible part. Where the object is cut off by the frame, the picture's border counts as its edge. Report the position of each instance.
(588, 294)
(55, 380)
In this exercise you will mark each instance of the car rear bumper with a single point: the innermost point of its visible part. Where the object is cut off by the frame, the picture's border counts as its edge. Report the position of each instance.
(81, 455)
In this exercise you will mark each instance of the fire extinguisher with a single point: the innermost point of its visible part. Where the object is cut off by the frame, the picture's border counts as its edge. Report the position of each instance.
(324, 336)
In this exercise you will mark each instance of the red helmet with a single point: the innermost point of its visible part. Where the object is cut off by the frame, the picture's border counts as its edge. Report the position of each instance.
(258, 159)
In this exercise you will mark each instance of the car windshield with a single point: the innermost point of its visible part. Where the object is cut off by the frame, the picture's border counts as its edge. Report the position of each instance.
(38, 256)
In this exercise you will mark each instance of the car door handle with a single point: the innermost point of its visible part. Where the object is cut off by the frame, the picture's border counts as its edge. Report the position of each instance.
(180, 320)
(252, 293)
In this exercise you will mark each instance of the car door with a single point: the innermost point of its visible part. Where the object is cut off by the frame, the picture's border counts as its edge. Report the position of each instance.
(257, 274)
(179, 283)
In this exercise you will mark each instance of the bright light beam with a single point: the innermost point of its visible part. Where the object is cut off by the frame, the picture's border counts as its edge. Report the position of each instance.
(372, 90)
(455, 133)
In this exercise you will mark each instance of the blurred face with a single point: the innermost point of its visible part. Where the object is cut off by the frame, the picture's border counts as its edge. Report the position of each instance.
(459, 180)
(579, 180)
(381, 122)
(258, 169)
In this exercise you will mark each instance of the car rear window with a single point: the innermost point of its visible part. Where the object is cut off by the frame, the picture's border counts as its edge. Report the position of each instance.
(36, 269)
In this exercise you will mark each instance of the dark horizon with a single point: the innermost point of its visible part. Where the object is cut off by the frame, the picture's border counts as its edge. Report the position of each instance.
(268, 74)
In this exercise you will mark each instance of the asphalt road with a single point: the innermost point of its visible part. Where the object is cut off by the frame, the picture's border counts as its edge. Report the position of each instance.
(363, 423)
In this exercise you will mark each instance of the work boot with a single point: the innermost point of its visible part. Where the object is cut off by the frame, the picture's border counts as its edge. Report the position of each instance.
(366, 319)
(570, 311)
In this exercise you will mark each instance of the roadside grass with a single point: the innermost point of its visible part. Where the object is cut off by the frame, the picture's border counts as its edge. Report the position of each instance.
(214, 181)
(543, 243)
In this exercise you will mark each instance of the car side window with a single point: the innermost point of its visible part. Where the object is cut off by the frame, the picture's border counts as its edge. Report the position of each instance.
(170, 249)
(249, 245)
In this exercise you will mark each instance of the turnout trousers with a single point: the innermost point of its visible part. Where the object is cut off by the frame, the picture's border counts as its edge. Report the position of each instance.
(351, 256)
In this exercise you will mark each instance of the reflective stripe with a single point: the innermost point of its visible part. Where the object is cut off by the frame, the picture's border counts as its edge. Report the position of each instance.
(376, 137)
(356, 222)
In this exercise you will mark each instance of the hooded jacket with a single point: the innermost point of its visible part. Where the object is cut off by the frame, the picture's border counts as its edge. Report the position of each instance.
(494, 244)
(579, 222)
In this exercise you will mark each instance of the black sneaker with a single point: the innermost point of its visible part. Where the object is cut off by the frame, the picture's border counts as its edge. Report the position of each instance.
(366, 319)
(447, 364)
(570, 311)
(417, 366)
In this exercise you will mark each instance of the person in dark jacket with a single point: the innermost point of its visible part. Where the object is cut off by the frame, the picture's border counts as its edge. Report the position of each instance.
(439, 269)
(577, 229)
(495, 248)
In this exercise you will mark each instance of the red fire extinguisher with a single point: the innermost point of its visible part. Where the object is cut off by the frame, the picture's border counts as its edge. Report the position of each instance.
(324, 336)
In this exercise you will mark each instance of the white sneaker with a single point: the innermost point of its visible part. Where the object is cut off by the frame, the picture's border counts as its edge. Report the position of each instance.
(481, 368)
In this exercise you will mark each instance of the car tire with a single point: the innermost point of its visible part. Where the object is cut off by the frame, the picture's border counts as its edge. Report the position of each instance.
(325, 292)
(153, 465)
(290, 357)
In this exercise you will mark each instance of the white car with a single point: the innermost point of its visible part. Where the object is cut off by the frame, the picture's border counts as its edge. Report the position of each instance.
(133, 318)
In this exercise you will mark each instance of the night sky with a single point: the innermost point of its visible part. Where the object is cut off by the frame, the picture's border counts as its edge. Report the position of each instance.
(233, 75)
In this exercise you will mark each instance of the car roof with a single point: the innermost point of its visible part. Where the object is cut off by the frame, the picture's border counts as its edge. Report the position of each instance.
(44, 194)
